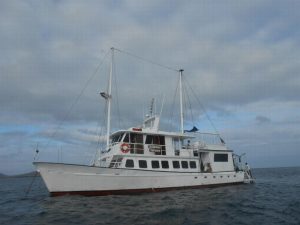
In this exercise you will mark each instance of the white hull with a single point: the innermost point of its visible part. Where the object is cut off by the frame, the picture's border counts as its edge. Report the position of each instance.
(78, 179)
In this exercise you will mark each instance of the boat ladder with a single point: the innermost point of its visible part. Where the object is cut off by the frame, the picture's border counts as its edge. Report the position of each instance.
(248, 177)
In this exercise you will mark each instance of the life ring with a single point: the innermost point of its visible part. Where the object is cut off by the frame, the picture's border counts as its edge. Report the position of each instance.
(124, 148)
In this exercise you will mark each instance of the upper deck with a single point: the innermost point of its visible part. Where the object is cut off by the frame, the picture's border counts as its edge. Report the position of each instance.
(148, 143)
(143, 147)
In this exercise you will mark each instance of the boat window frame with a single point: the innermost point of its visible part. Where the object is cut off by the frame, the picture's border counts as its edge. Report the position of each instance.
(157, 141)
(176, 162)
(129, 160)
(194, 164)
(156, 166)
(136, 141)
(143, 166)
(119, 138)
(126, 135)
(166, 166)
(220, 157)
(184, 164)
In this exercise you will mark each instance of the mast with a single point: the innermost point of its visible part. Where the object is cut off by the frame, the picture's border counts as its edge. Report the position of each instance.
(109, 98)
(180, 93)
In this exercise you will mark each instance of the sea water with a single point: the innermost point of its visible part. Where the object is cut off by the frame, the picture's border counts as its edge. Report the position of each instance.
(273, 199)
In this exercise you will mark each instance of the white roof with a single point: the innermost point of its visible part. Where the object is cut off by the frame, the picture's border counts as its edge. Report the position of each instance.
(151, 132)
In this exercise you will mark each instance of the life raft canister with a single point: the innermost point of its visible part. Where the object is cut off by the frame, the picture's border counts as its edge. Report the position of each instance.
(124, 148)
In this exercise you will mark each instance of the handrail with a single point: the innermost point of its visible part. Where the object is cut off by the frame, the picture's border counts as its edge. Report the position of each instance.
(208, 138)
(156, 148)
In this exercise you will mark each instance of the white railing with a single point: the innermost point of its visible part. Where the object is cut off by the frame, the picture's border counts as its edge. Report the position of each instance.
(208, 138)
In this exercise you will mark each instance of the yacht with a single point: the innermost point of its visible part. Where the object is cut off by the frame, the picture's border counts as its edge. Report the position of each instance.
(146, 159)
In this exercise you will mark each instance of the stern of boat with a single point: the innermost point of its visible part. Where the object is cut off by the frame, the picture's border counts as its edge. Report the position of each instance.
(248, 177)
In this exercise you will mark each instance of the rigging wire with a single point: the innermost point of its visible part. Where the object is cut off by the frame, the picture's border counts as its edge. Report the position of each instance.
(176, 70)
(186, 93)
(173, 104)
(184, 101)
(203, 108)
(117, 94)
(76, 100)
(99, 134)
(146, 60)
(99, 129)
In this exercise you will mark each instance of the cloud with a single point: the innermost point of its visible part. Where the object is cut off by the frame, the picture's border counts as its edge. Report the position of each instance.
(241, 60)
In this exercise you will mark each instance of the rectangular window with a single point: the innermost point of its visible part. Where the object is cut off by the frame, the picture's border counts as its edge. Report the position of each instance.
(149, 139)
(156, 144)
(184, 164)
(176, 164)
(129, 163)
(117, 138)
(126, 138)
(155, 164)
(193, 164)
(142, 163)
(136, 146)
(221, 157)
(165, 164)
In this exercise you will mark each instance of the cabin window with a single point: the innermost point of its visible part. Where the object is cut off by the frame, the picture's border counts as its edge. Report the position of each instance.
(165, 164)
(136, 146)
(155, 164)
(129, 163)
(154, 139)
(126, 138)
(117, 138)
(193, 164)
(176, 164)
(149, 139)
(184, 164)
(221, 157)
(142, 163)
(156, 144)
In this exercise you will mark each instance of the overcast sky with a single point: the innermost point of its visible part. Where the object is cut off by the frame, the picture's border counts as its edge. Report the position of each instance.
(242, 58)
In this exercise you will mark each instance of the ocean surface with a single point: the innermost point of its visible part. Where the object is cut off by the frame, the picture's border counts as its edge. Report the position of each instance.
(273, 199)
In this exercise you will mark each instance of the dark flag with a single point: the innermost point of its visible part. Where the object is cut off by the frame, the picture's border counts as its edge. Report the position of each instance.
(194, 129)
